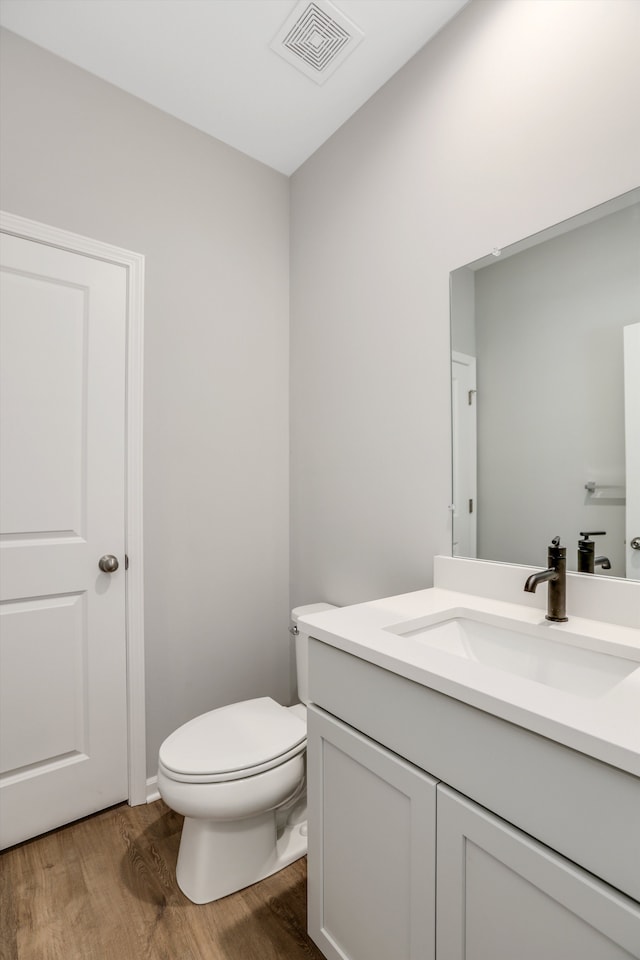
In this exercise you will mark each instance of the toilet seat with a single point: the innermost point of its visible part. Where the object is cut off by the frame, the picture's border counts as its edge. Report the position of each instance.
(233, 742)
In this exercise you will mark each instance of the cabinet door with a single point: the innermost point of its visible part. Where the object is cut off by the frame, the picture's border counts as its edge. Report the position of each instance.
(502, 895)
(371, 869)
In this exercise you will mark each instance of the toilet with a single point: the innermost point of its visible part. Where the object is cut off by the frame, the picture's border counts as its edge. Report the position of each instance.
(237, 775)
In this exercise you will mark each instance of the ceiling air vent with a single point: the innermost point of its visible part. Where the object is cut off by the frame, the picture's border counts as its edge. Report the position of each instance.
(316, 39)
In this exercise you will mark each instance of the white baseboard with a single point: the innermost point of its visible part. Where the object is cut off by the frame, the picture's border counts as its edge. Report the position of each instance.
(153, 793)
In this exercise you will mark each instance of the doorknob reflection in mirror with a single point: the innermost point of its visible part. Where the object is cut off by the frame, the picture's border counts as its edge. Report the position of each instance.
(108, 563)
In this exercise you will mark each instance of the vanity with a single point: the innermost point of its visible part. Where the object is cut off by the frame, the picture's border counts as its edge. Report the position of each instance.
(474, 772)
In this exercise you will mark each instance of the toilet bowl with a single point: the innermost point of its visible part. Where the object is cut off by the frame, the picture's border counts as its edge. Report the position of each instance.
(237, 775)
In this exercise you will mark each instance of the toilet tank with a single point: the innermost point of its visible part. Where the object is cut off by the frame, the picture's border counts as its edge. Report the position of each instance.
(302, 646)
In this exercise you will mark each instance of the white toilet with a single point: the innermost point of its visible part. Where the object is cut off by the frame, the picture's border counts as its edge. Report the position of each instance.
(237, 774)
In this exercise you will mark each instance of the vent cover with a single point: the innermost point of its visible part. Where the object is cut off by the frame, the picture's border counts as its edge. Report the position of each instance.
(316, 39)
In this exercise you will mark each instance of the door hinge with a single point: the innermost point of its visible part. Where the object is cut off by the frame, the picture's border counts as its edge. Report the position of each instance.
(470, 394)
(470, 509)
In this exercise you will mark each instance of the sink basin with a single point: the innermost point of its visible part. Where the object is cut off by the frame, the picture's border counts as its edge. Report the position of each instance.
(551, 662)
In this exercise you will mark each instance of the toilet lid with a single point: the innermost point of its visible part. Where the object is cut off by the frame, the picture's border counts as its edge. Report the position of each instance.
(227, 743)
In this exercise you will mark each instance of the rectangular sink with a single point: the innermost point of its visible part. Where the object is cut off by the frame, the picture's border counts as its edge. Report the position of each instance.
(551, 662)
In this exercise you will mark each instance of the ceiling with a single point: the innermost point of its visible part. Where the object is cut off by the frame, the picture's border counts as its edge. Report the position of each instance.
(210, 63)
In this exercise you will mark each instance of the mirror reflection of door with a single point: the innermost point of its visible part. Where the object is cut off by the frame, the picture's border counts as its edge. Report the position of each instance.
(632, 444)
(463, 405)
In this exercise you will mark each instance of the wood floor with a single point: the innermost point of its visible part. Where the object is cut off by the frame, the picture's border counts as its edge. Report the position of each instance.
(104, 889)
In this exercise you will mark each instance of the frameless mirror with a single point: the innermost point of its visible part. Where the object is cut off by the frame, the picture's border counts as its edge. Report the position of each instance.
(545, 341)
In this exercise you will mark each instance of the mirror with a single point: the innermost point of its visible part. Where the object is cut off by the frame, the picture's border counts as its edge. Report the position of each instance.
(545, 341)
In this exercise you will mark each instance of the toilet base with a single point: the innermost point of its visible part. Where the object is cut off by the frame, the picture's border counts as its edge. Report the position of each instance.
(218, 858)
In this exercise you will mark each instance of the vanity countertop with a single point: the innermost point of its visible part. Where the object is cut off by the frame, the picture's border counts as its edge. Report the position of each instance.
(605, 725)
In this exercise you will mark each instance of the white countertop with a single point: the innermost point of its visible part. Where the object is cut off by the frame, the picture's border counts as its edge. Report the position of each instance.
(606, 726)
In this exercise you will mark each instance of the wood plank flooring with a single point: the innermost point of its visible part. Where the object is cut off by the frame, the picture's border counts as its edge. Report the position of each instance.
(104, 889)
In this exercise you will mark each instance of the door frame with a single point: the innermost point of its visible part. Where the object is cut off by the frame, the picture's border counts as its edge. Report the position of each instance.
(631, 341)
(134, 614)
(464, 464)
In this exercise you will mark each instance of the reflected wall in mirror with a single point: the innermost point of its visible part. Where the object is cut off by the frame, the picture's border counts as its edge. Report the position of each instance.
(550, 330)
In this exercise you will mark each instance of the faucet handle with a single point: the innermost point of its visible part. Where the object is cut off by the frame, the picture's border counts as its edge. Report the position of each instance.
(556, 552)
(593, 533)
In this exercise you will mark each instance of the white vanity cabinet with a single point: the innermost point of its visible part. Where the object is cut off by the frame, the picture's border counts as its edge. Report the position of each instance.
(371, 850)
(502, 895)
(536, 850)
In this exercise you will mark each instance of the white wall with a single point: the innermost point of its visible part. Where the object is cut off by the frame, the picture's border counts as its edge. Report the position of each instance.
(551, 390)
(213, 225)
(517, 115)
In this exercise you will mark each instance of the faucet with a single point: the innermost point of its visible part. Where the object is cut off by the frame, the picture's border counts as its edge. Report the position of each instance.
(556, 577)
(587, 560)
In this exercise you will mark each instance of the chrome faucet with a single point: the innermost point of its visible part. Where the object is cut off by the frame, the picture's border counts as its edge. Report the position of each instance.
(556, 577)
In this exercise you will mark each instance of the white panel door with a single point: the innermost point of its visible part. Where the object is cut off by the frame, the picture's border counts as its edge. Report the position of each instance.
(502, 896)
(632, 447)
(63, 709)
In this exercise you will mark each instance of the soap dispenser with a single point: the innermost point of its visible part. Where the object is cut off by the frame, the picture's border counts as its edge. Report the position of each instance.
(587, 560)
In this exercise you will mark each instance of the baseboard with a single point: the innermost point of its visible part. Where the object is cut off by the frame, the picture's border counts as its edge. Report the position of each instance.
(153, 793)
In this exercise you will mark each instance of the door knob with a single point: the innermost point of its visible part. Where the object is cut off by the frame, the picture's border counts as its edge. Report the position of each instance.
(635, 543)
(108, 563)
